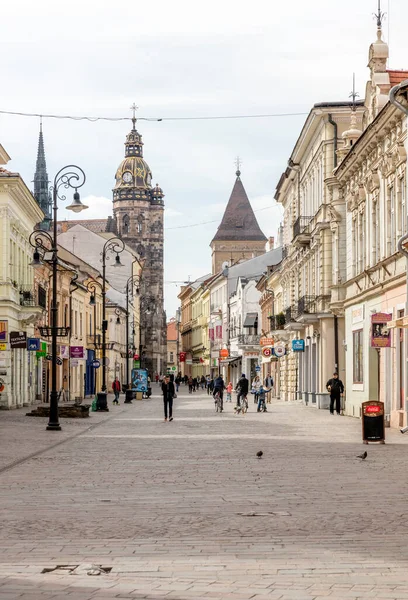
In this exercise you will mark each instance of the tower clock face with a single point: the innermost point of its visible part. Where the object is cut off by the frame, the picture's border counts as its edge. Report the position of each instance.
(127, 177)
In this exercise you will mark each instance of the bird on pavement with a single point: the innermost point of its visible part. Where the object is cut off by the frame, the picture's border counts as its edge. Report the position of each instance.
(362, 456)
(259, 454)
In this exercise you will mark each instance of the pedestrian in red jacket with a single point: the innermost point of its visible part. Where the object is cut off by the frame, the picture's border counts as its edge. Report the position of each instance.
(116, 390)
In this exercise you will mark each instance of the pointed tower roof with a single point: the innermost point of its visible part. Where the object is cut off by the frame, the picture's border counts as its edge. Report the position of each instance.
(239, 221)
(41, 181)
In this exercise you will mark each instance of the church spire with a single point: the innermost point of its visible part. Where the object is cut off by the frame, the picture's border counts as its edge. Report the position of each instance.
(134, 144)
(41, 181)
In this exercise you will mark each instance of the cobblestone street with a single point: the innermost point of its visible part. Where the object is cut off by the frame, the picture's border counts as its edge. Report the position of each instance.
(185, 510)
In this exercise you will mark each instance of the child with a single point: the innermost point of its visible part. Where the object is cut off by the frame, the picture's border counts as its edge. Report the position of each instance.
(229, 392)
(261, 399)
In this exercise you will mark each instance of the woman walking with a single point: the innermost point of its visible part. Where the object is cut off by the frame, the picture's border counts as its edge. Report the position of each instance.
(256, 386)
(168, 395)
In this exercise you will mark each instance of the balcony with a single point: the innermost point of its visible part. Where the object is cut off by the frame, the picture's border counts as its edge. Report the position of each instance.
(248, 339)
(27, 297)
(307, 309)
(291, 315)
(277, 322)
(301, 231)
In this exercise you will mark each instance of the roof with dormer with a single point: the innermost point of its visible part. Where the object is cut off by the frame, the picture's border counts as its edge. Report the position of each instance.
(239, 222)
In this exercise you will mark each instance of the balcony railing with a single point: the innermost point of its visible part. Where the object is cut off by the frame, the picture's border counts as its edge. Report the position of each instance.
(307, 304)
(27, 297)
(301, 226)
(248, 340)
(277, 322)
(290, 314)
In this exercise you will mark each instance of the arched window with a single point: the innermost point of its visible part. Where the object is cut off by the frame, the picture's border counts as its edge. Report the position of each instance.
(139, 224)
(125, 228)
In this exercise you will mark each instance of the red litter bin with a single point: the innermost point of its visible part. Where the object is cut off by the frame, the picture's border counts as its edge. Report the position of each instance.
(373, 422)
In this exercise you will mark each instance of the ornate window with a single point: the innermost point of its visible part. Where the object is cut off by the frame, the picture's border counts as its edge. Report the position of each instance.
(139, 224)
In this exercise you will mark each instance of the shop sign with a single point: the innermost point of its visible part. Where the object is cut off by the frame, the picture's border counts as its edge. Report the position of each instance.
(18, 339)
(182, 357)
(298, 345)
(136, 364)
(3, 331)
(224, 353)
(42, 351)
(3, 347)
(279, 350)
(76, 351)
(64, 351)
(33, 344)
(265, 341)
(189, 361)
(373, 421)
(357, 314)
(257, 368)
(267, 352)
(218, 332)
(380, 332)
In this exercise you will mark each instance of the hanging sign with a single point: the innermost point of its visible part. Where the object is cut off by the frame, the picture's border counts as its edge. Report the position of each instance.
(224, 353)
(18, 339)
(265, 341)
(33, 344)
(298, 345)
(267, 352)
(279, 350)
(380, 332)
(76, 351)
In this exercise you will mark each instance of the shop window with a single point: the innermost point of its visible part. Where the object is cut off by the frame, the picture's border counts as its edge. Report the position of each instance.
(358, 375)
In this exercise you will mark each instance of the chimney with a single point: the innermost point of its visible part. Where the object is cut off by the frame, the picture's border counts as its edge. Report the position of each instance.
(271, 243)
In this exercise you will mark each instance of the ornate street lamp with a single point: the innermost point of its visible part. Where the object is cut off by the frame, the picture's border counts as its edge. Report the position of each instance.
(147, 306)
(73, 177)
(132, 288)
(114, 245)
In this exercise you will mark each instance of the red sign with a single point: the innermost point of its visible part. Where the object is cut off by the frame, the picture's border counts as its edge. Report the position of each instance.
(218, 332)
(266, 352)
(224, 353)
(211, 333)
(135, 357)
(373, 409)
(182, 357)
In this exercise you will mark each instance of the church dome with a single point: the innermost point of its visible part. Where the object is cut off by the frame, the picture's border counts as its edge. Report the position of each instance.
(133, 176)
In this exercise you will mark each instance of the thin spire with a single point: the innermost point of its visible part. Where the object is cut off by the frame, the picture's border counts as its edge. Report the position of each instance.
(380, 16)
(238, 163)
(134, 109)
(41, 182)
(354, 95)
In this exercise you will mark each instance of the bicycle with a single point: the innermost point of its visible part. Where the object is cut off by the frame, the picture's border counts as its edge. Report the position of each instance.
(217, 402)
(242, 405)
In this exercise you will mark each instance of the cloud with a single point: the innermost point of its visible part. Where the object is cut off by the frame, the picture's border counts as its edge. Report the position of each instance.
(171, 212)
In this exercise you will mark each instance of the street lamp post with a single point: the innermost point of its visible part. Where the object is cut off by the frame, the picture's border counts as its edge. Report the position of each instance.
(113, 245)
(147, 305)
(73, 177)
(132, 285)
(91, 287)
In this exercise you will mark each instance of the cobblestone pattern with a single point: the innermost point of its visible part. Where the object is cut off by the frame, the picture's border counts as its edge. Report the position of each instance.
(185, 510)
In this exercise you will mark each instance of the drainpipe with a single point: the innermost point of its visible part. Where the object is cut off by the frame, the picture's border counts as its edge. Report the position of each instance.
(393, 93)
(336, 321)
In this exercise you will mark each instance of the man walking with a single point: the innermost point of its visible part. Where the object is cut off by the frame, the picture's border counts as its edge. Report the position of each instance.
(269, 385)
(168, 395)
(335, 387)
(116, 390)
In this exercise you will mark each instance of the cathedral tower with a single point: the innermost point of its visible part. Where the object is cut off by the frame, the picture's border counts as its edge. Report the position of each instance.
(138, 211)
(41, 183)
(239, 236)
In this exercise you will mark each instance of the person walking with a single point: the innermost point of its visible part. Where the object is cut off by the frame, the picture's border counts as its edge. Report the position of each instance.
(190, 385)
(202, 382)
(116, 390)
(256, 386)
(269, 385)
(168, 395)
(178, 381)
(229, 392)
(336, 388)
(242, 388)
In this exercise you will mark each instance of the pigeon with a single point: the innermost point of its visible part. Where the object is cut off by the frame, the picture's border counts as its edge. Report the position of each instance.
(362, 456)
(259, 454)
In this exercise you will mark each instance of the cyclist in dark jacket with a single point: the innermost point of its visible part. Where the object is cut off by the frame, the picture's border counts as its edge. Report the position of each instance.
(336, 388)
(219, 387)
(242, 388)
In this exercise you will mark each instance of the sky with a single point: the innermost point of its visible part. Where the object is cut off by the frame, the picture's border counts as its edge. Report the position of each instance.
(182, 59)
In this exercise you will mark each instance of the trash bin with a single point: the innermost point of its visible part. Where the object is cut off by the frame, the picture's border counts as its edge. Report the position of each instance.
(139, 395)
(373, 422)
(128, 396)
(102, 401)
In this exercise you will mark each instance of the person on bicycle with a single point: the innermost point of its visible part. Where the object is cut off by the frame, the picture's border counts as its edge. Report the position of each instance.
(242, 388)
(219, 387)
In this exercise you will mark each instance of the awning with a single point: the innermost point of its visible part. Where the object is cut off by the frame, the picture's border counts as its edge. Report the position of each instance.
(231, 359)
(250, 320)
